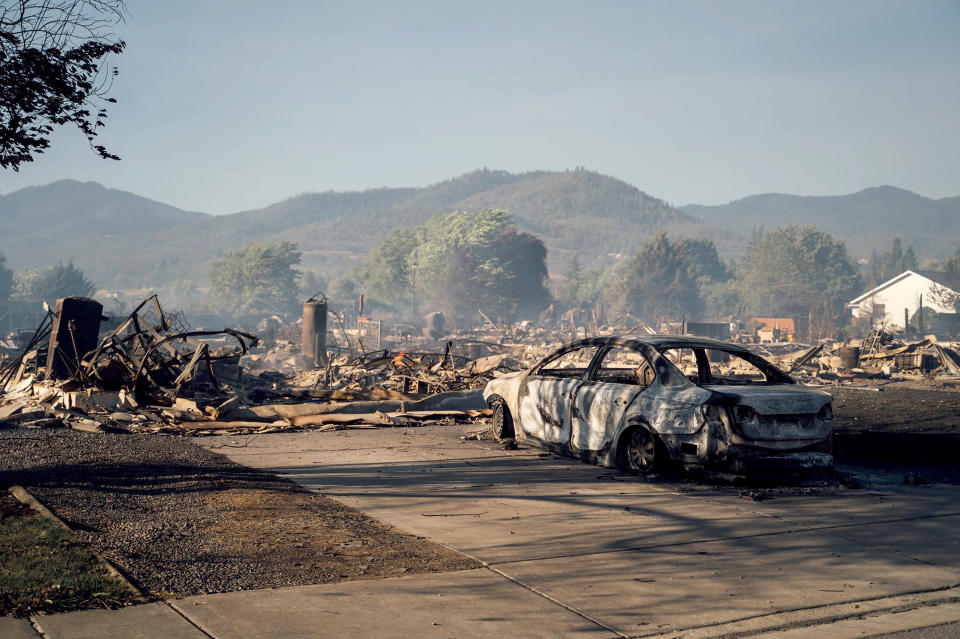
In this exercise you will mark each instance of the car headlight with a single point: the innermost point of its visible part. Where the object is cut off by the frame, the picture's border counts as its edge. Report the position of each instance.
(826, 412)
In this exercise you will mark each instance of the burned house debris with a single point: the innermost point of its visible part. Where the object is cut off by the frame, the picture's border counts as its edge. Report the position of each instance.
(152, 373)
(148, 371)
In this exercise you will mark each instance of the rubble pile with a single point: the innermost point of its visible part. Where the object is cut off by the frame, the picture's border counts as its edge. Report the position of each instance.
(878, 356)
(151, 373)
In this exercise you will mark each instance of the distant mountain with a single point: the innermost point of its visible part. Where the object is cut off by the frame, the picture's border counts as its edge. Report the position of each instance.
(580, 211)
(40, 225)
(865, 220)
(573, 211)
(122, 240)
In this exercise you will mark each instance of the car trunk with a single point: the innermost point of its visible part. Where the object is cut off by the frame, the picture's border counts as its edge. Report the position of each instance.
(777, 413)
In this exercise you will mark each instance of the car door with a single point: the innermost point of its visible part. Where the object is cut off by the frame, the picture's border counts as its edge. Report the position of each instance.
(548, 391)
(601, 401)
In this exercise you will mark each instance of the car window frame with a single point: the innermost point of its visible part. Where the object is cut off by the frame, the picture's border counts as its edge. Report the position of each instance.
(602, 353)
(537, 370)
(774, 375)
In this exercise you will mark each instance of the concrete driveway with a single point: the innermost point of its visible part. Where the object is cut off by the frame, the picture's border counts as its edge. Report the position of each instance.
(588, 551)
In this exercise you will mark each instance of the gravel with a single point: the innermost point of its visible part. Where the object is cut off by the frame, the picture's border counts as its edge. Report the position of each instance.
(181, 520)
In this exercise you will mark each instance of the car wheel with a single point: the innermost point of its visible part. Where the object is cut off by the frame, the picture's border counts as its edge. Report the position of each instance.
(642, 453)
(502, 421)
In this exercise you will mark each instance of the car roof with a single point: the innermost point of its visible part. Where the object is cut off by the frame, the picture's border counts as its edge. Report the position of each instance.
(663, 341)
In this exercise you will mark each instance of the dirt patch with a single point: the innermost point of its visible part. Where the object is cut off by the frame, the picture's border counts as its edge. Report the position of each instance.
(900, 429)
(179, 520)
(318, 535)
(896, 408)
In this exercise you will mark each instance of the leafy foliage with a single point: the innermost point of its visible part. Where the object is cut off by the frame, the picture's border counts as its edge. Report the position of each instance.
(703, 260)
(721, 298)
(52, 54)
(460, 263)
(661, 280)
(387, 275)
(568, 291)
(947, 292)
(799, 272)
(257, 277)
(343, 293)
(311, 284)
(62, 280)
(881, 268)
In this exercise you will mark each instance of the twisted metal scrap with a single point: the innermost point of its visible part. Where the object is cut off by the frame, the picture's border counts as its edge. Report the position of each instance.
(148, 346)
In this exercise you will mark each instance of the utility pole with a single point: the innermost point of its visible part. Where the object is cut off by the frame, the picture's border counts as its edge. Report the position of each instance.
(415, 290)
(920, 317)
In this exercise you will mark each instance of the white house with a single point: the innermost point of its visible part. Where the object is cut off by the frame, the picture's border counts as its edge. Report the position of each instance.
(905, 291)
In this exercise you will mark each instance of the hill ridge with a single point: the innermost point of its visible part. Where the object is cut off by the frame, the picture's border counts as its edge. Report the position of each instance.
(123, 240)
(866, 219)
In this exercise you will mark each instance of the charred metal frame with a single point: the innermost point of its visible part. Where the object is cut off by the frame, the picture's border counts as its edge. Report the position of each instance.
(145, 345)
(697, 425)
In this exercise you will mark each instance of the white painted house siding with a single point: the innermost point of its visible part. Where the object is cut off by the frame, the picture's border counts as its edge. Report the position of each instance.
(901, 292)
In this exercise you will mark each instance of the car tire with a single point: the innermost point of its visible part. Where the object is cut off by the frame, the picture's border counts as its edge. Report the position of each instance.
(502, 421)
(642, 452)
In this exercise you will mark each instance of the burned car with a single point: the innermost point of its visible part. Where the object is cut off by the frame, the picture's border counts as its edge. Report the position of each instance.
(641, 403)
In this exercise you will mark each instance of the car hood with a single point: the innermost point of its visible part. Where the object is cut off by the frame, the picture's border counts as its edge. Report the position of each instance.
(774, 400)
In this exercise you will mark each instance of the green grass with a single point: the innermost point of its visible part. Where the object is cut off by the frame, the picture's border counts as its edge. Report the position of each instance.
(44, 569)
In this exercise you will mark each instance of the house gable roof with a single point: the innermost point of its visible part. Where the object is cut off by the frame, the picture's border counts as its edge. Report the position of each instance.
(933, 276)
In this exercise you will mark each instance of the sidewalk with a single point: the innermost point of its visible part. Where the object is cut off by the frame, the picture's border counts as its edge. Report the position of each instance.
(473, 603)
(573, 550)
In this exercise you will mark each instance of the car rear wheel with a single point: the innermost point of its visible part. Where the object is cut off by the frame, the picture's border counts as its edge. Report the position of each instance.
(502, 420)
(642, 454)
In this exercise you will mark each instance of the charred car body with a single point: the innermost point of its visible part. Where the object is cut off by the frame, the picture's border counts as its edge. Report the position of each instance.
(640, 402)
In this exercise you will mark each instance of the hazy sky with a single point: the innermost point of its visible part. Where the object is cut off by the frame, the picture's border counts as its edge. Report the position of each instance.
(232, 105)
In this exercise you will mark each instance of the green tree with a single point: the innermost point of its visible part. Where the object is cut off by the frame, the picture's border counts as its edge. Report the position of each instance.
(25, 284)
(459, 263)
(874, 269)
(469, 262)
(53, 72)
(311, 284)
(62, 280)
(909, 261)
(715, 281)
(947, 292)
(884, 266)
(721, 298)
(799, 272)
(703, 260)
(343, 293)
(575, 271)
(258, 277)
(659, 282)
(387, 274)
(590, 291)
(518, 287)
(568, 291)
